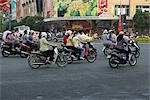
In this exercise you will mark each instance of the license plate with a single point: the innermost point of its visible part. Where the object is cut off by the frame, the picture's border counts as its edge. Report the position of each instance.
(109, 56)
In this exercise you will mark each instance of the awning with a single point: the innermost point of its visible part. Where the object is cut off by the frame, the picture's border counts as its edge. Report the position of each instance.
(83, 18)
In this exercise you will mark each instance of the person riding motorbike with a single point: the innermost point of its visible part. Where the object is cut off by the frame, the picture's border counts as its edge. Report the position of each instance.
(66, 35)
(44, 48)
(10, 40)
(112, 38)
(69, 43)
(76, 43)
(122, 44)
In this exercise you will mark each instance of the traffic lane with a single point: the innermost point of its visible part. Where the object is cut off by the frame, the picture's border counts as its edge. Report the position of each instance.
(81, 80)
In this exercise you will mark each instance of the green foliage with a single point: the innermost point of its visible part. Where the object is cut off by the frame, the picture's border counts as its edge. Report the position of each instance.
(143, 39)
(141, 21)
(34, 22)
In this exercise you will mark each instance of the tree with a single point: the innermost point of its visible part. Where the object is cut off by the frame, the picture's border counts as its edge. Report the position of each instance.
(34, 22)
(141, 21)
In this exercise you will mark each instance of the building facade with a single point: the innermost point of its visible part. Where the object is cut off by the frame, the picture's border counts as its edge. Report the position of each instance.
(25, 8)
(92, 9)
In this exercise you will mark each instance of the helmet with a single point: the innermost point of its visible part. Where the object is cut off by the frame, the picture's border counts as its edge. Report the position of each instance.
(43, 34)
(110, 31)
(69, 32)
(121, 33)
(105, 31)
(66, 33)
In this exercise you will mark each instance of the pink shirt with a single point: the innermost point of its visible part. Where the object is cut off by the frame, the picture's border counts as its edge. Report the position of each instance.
(9, 38)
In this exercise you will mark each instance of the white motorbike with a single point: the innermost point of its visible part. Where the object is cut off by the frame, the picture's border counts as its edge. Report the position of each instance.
(37, 59)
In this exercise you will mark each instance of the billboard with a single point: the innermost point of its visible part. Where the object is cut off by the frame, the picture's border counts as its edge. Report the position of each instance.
(48, 8)
(67, 8)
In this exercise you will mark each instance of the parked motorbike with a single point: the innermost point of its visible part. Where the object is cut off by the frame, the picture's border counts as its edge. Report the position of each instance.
(116, 58)
(74, 55)
(37, 59)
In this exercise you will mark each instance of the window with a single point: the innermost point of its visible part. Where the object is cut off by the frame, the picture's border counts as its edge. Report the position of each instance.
(123, 9)
(143, 8)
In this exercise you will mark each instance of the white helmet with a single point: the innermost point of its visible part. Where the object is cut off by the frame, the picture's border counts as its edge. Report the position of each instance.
(44, 34)
(110, 31)
(121, 33)
(105, 31)
(69, 32)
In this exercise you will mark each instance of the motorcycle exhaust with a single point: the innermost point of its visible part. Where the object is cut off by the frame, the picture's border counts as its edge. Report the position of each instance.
(24, 52)
(7, 52)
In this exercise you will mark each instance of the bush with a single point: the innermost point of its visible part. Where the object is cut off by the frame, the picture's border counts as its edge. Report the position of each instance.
(145, 39)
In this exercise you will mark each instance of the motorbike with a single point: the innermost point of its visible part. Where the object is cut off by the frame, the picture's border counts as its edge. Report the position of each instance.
(74, 55)
(37, 59)
(106, 49)
(6, 50)
(26, 50)
(116, 57)
(135, 48)
(91, 47)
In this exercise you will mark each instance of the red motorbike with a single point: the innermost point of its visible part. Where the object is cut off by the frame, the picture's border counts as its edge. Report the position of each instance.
(27, 50)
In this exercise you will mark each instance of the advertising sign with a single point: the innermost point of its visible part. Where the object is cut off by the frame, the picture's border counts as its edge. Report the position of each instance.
(4, 5)
(102, 7)
(67, 8)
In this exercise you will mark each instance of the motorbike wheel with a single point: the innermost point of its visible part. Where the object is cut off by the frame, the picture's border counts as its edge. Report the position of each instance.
(137, 54)
(22, 55)
(106, 51)
(62, 60)
(55, 40)
(112, 62)
(4, 54)
(133, 60)
(70, 59)
(91, 56)
(33, 59)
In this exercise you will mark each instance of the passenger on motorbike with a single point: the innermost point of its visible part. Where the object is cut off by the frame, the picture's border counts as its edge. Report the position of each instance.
(112, 38)
(105, 39)
(27, 39)
(69, 43)
(122, 44)
(66, 35)
(76, 43)
(10, 40)
(44, 48)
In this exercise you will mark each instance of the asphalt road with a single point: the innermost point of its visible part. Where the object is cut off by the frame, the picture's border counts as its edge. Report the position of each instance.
(78, 81)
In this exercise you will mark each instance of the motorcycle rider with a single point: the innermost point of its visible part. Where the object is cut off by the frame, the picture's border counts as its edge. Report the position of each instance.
(66, 35)
(112, 38)
(122, 44)
(10, 40)
(105, 39)
(69, 43)
(76, 43)
(44, 48)
(27, 38)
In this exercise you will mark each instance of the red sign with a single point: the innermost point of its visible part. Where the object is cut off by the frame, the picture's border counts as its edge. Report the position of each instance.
(2, 1)
(102, 7)
(5, 8)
